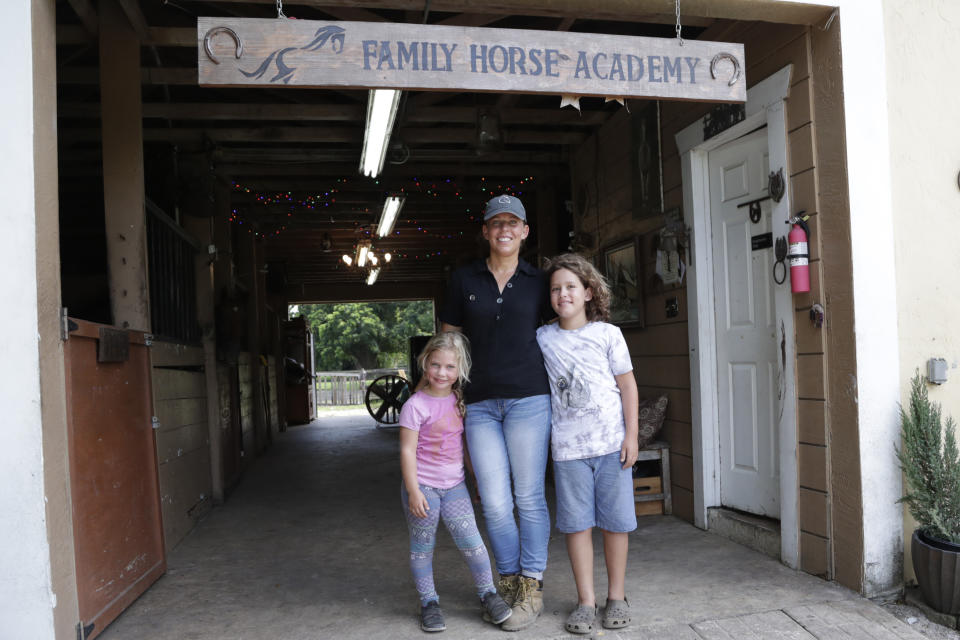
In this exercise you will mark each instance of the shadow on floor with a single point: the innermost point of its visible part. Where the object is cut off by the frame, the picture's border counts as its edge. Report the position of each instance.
(313, 544)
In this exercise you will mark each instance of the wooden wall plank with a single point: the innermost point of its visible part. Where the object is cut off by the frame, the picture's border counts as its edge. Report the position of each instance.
(672, 174)
(799, 105)
(681, 470)
(810, 338)
(184, 494)
(659, 340)
(846, 491)
(667, 371)
(673, 198)
(814, 554)
(655, 308)
(812, 422)
(679, 435)
(802, 148)
(762, 40)
(176, 413)
(170, 384)
(811, 375)
(184, 440)
(795, 52)
(682, 502)
(803, 191)
(813, 512)
(172, 354)
(813, 467)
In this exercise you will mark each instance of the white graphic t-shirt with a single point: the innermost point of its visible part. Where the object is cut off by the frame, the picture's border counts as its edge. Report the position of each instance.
(587, 409)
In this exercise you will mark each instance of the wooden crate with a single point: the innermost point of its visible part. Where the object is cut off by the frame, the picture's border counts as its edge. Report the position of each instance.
(643, 487)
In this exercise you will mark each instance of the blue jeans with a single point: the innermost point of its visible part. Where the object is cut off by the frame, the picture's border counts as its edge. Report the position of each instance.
(508, 438)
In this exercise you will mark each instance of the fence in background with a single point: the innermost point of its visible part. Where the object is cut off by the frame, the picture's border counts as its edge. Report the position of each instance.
(345, 388)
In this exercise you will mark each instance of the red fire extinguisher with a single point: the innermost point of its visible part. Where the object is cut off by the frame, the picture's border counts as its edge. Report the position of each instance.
(799, 253)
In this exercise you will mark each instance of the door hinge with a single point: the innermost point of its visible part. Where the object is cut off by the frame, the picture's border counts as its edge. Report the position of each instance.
(84, 631)
(66, 324)
(154, 423)
(148, 339)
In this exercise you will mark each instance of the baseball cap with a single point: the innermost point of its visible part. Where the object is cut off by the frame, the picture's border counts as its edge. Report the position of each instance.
(504, 204)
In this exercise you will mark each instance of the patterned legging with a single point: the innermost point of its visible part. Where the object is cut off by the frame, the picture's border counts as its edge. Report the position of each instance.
(454, 506)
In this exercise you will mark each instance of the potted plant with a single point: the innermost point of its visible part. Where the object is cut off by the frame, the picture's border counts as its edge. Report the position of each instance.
(930, 461)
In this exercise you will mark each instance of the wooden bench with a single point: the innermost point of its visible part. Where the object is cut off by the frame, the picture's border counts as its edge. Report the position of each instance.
(658, 451)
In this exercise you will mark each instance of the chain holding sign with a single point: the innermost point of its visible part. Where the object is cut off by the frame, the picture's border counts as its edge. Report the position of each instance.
(309, 53)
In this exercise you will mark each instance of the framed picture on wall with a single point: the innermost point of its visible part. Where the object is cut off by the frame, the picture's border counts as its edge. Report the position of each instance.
(620, 263)
(646, 176)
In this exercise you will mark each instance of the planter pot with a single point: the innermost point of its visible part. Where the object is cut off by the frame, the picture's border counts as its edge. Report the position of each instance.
(937, 565)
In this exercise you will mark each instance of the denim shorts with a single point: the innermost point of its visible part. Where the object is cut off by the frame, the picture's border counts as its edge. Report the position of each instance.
(594, 492)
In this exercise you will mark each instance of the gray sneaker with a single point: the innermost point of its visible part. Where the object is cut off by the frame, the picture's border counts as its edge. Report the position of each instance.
(495, 610)
(507, 589)
(431, 617)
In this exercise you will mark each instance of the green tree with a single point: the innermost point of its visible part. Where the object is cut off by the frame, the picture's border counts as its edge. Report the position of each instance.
(365, 335)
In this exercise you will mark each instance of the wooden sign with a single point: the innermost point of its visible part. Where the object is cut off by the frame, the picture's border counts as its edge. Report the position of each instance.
(306, 53)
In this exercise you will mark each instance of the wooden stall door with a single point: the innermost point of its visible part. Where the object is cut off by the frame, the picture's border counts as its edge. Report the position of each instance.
(117, 526)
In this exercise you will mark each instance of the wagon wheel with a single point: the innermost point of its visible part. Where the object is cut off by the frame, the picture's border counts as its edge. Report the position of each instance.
(385, 396)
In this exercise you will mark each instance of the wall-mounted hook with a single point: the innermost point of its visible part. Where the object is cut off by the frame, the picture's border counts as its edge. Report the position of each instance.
(816, 315)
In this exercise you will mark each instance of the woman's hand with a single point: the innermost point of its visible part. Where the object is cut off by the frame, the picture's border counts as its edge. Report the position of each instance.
(418, 503)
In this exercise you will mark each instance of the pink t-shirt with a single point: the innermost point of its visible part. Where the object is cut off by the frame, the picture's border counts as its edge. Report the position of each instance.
(440, 440)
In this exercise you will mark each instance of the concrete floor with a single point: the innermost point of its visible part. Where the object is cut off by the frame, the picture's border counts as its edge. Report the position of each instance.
(313, 544)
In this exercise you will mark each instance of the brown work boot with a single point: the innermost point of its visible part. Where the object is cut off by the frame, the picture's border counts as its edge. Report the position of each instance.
(526, 606)
(507, 588)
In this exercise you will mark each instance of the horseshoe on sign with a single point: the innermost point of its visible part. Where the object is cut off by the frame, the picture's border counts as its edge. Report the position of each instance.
(214, 31)
(736, 67)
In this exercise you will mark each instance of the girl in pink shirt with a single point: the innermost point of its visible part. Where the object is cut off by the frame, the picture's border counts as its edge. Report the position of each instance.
(431, 459)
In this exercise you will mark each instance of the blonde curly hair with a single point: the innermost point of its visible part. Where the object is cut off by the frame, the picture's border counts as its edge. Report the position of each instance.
(456, 343)
(598, 307)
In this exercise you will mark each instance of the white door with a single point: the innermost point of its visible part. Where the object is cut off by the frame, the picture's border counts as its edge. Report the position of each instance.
(746, 327)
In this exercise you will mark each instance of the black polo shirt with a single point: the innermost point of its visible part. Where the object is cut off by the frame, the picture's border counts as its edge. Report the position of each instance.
(502, 328)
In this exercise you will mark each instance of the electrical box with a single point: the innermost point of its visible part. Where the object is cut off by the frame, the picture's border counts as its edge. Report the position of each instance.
(937, 370)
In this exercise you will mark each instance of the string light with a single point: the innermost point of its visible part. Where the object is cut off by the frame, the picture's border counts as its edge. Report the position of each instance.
(327, 198)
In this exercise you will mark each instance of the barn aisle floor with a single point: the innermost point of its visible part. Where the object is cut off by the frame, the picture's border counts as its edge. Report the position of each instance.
(312, 545)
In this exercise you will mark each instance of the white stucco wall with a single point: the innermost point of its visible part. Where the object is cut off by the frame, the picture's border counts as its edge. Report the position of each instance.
(924, 93)
(26, 598)
(876, 388)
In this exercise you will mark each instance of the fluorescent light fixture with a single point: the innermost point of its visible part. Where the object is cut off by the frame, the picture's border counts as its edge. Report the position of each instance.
(347, 259)
(373, 276)
(391, 209)
(373, 259)
(362, 257)
(381, 112)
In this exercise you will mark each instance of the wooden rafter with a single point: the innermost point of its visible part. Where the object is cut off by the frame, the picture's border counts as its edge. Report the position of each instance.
(341, 113)
(88, 17)
(137, 20)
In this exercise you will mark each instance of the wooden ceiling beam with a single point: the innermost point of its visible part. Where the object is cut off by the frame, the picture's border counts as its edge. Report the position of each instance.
(331, 161)
(317, 135)
(470, 20)
(410, 169)
(340, 113)
(378, 292)
(226, 111)
(88, 17)
(354, 14)
(696, 11)
(148, 75)
(136, 18)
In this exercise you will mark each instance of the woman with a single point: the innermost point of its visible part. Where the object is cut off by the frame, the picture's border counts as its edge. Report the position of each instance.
(498, 303)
